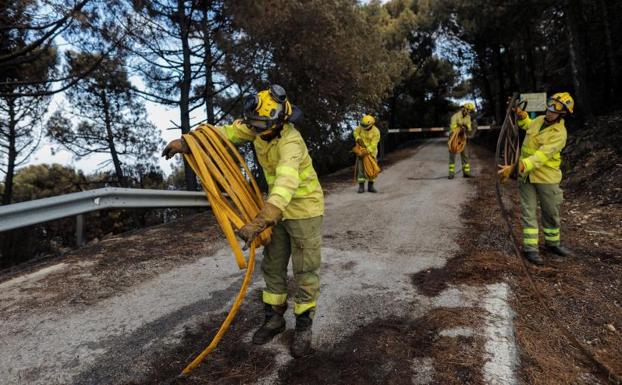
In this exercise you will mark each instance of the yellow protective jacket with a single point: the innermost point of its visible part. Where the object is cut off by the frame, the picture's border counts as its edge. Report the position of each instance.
(370, 137)
(541, 150)
(293, 184)
(457, 119)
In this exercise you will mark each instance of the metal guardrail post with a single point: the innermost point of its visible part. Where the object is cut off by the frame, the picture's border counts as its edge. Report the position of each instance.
(80, 230)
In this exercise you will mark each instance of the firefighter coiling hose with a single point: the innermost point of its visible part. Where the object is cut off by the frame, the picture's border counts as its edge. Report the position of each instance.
(218, 164)
(366, 138)
(507, 157)
(370, 166)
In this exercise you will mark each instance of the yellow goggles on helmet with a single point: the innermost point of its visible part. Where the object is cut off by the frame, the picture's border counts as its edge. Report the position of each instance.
(555, 106)
(263, 111)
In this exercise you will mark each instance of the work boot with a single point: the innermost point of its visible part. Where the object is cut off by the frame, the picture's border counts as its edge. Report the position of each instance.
(451, 175)
(533, 257)
(558, 250)
(370, 187)
(301, 346)
(273, 324)
(361, 188)
(466, 175)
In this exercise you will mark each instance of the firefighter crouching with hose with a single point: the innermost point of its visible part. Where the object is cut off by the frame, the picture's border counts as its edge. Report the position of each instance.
(540, 175)
(367, 136)
(460, 128)
(295, 207)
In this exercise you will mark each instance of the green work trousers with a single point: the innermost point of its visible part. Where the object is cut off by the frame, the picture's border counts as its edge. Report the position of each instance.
(360, 171)
(550, 197)
(464, 159)
(301, 239)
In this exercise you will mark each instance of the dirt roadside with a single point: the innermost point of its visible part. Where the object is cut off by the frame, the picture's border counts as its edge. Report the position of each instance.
(584, 290)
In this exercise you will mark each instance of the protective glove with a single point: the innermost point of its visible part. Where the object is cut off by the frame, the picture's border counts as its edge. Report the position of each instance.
(360, 142)
(269, 215)
(504, 172)
(175, 147)
(364, 152)
(520, 113)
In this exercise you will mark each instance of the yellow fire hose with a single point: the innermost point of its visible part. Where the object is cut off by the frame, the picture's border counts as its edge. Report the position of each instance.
(219, 165)
(457, 141)
(370, 166)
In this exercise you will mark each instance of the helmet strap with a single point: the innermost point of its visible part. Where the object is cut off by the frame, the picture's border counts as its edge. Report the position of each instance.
(559, 117)
(272, 133)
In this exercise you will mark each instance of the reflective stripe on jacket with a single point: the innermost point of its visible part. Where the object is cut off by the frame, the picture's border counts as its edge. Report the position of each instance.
(457, 119)
(541, 150)
(370, 137)
(293, 184)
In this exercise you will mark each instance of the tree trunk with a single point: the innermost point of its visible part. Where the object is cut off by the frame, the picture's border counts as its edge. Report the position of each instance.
(531, 63)
(501, 96)
(184, 87)
(393, 112)
(512, 71)
(484, 73)
(110, 139)
(577, 66)
(7, 195)
(612, 70)
(209, 80)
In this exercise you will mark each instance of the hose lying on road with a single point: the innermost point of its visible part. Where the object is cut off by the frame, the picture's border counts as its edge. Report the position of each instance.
(507, 154)
(219, 165)
(370, 166)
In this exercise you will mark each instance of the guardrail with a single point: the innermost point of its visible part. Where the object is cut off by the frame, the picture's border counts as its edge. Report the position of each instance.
(42, 210)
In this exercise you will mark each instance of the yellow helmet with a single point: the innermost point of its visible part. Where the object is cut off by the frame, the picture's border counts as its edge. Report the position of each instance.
(367, 121)
(560, 103)
(267, 108)
(469, 106)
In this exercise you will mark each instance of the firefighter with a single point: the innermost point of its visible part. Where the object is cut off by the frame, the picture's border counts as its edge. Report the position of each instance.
(461, 121)
(540, 175)
(295, 207)
(366, 135)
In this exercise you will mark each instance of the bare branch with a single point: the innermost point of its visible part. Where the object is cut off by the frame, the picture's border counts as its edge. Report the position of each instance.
(60, 26)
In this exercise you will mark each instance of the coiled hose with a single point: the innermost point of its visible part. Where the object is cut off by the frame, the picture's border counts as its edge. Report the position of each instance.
(507, 154)
(457, 141)
(219, 165)
(370, 166)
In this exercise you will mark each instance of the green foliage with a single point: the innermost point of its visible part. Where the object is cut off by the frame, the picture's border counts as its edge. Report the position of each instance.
(420, 94)
(331, 59)
(422, 100)
(528, 46)
(46, 180)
